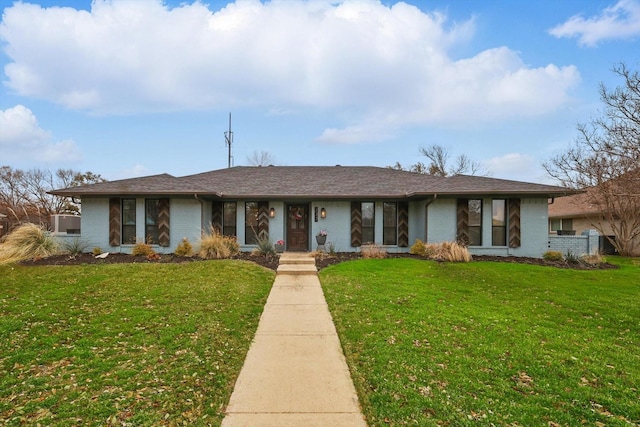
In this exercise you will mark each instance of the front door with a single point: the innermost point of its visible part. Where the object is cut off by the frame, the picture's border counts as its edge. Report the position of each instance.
(298, 228)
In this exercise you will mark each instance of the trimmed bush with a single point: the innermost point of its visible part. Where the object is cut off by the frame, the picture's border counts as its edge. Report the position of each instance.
(96, 251)
(552, 256)
(142, 249)
(26, 242)
(418, 248)
(373, 251)
(184, 248)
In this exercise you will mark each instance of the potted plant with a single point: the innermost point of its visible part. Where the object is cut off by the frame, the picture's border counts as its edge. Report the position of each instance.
(279, 246)
(321, 237)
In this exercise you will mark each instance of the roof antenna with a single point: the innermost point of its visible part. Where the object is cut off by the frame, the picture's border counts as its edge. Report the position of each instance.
(228, 139)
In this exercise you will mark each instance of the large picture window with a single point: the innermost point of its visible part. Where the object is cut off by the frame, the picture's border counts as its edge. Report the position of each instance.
(368, 222)
(390, 221)
(151, 211)
(475, 222)
(498, 222)
(230, 213)
(128, 221)
(251, 223)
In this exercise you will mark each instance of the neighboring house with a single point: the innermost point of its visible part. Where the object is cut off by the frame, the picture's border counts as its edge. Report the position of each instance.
(354, 205)
(575, 214)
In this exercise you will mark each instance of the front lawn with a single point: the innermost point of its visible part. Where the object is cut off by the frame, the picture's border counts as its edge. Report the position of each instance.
(489, 343)
(126, 344)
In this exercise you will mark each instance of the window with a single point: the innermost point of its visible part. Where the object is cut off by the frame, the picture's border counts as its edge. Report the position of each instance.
(251, 223)
(498, 223)
(230, 211)
(475, 222)
(390, 221)
(151, 210)
(368, 222)
(561, 224)
(128, 221)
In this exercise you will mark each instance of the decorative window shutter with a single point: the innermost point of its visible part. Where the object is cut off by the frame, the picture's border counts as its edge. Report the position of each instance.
(115, 221)
(403, 224)
(463, 222)
(514, 223)
(163, 222)
(263, 220)
(356, 224)
(216, 216)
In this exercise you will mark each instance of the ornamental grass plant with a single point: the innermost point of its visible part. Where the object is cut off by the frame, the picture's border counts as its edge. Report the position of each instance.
(26, 242)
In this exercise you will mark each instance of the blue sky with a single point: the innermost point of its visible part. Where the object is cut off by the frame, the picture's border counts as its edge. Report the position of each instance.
(129, 88)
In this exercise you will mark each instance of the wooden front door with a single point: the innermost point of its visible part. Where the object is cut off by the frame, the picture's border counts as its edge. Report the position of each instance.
(298, 228)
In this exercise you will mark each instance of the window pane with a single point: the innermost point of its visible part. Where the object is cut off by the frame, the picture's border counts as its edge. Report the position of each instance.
(368, 222)
(128, 221)
(555, 224)
(567, 224)
(229, 219)
(475, 236)
(475, 213)
(499, 236)
(151, 220)
(390, 221)
(251, 223)
(498, 212)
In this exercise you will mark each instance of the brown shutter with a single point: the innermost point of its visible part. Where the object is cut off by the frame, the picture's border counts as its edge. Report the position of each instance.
(403, 224)
(163, 222)
(514, 223)
(115, 221)
(356, 224)
(216, 216)
(263, 220)
(463, 221)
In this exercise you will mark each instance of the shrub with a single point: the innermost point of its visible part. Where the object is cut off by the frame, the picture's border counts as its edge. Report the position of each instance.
(331, 249)
(552, 256)
(452, 252)
(418, 248)
(372, 250)
(265, 248)
(26, 242)
(142, 249)
(214, 246)
(74, 247)
(96, 251)
(572, 258)
(232, 244)
(592, 259)
(184, 248)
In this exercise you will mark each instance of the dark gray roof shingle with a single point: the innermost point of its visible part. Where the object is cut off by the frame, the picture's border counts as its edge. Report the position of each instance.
(272, 182)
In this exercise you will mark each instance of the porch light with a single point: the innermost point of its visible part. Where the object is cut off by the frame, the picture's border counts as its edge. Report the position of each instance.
(323, 213)
(272, 213)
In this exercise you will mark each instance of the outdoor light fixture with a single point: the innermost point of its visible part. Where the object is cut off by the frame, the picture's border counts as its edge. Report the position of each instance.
(323, 213)
(272, 213)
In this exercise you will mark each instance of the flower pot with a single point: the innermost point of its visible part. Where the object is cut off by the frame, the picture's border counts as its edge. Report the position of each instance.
(321, 240)
(279, 248)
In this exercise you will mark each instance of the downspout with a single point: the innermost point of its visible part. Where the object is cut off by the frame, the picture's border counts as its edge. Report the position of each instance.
(201, 211)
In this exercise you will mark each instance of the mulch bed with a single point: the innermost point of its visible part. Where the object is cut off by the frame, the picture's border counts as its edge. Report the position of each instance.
(272, 262)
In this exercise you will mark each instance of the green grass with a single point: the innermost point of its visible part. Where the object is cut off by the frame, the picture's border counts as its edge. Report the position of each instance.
(127, 344)
(489, 343)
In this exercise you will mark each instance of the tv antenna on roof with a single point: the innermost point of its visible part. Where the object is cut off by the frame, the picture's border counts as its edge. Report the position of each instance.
(228, 139)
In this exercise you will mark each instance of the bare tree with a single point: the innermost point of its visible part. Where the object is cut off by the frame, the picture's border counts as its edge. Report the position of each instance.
(442, 165)
(24, 194)
(605, 161)
(260, 158)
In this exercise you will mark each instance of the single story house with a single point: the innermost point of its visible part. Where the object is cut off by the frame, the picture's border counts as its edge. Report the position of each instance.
(354, 205)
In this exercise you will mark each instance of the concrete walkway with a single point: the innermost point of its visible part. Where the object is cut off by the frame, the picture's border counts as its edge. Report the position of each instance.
(295, 373)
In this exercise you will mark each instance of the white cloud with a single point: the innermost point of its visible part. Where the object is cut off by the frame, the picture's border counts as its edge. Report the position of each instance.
(22, 140)
(360, 60)
(621, 21)
(134, 171)
(516, 166)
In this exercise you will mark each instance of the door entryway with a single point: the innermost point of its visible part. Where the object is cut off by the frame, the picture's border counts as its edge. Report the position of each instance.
(298, 227)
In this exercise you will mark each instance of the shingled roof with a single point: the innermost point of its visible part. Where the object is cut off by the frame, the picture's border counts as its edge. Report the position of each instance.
(329, 182)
